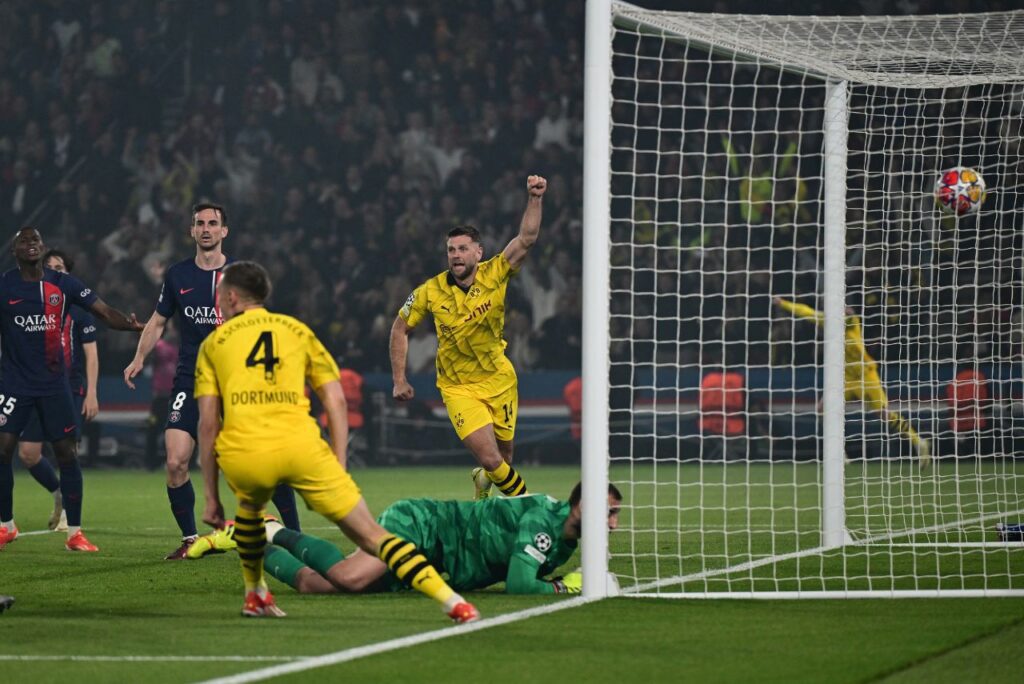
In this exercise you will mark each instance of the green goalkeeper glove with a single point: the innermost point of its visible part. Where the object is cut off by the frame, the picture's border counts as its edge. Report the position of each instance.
(569, 584)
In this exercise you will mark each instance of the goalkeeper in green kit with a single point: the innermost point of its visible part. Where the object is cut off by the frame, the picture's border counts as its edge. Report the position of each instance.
(518, 541)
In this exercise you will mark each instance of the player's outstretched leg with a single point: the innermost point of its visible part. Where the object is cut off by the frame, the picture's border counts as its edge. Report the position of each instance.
(903, 426)
(300, 560)
(408, 563)
(319, 554)
(410, 566)
(924, 452)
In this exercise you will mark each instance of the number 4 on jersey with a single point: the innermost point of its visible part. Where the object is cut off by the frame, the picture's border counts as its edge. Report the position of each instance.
(265, 346)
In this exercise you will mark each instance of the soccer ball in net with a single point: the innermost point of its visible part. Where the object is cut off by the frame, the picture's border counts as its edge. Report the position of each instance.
(960, 191)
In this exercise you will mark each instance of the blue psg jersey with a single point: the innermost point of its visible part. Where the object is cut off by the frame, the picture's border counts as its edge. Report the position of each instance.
(33, 316)
(191, 293)
(81, 329)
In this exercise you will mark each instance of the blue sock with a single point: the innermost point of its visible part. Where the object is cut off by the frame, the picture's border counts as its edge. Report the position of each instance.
(183, 504)
(71, 491)
(7, 491)
(284, 499)
(45, 475)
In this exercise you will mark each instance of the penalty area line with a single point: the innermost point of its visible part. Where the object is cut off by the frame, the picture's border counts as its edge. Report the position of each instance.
(350, 654)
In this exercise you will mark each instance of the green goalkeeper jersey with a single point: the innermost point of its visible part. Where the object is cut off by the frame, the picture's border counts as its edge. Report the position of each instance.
(478, 543)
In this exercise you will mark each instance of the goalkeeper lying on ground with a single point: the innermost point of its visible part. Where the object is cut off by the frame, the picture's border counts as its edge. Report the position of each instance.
(475, 544)
(862, 380)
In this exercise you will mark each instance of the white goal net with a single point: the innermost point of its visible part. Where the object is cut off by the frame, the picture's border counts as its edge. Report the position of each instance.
(769, 186)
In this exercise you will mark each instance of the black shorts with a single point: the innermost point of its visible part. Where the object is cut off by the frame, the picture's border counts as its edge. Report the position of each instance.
(182, 409)
(33, 432)
(56, 413)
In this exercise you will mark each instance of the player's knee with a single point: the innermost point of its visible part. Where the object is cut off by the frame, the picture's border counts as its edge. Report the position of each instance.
(176, 476)
(30, 456)
(8, 443)
(65, 451)
(177, 467)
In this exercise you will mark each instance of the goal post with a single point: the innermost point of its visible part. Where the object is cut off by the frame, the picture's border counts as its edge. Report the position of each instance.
(758, 198)
(833, 515)
(596, 182)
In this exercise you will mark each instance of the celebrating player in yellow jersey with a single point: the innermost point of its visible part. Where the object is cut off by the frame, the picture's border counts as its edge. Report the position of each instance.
(476, 379)
(862, 380)
(253, 369)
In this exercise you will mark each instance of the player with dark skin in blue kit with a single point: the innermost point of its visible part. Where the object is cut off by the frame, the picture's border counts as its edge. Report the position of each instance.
(33, 375)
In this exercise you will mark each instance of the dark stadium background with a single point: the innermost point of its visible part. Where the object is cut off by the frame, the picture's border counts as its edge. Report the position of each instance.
(343, 137)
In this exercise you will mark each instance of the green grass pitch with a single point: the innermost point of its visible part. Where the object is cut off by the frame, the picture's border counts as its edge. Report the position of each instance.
(125, 615)
(926, 528)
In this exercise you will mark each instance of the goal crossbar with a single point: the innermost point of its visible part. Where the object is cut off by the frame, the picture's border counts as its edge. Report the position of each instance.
(889, 51)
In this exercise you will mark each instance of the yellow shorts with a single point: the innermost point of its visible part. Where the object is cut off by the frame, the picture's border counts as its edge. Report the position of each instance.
(310, 467)
(869, 391)
(470, 412)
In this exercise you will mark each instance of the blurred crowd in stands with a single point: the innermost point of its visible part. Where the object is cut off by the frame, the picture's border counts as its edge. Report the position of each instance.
(345, 138)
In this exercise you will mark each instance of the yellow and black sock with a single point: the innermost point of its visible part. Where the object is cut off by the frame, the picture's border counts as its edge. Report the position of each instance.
(508, 480)
(251, 537)
(410, 566)
(903, 426)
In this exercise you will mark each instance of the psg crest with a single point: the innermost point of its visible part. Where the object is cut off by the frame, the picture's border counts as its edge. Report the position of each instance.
(54, 299)
(174, 417)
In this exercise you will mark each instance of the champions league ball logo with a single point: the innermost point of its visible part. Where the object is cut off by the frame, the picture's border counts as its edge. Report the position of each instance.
(543, 542)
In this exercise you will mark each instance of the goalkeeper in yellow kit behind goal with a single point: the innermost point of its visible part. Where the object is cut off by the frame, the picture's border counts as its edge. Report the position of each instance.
(861, 376)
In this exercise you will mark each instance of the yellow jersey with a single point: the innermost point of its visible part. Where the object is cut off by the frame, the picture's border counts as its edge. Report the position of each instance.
(859, 364)
(469, 324)
(258, 363)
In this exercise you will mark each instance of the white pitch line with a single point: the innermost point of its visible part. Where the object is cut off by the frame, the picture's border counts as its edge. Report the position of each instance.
(644, 589)
(393, 644)
(151, 659)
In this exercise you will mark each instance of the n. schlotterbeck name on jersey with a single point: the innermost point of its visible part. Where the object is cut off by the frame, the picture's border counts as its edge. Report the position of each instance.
(203, 315)
(36, 322)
